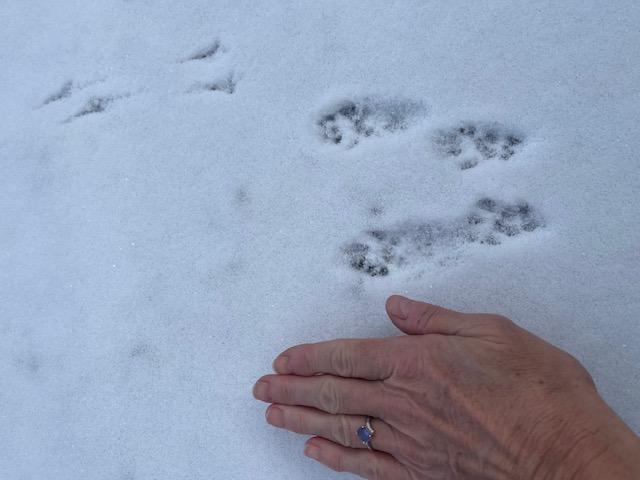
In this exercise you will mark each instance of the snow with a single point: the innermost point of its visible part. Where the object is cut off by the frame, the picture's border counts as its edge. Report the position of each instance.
(174, 213)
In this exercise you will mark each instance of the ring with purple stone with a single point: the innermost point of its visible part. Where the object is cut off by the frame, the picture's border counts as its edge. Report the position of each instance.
(365, 433)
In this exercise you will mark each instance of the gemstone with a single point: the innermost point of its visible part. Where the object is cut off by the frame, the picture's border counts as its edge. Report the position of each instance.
(364, 434)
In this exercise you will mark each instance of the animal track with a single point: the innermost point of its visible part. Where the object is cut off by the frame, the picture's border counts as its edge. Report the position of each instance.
(226, 85)
(472, 142)
(93, 105)
(88, 98)
(206, 52)
(350, 121)
(489, 222)
(63, 92)
(69, 88)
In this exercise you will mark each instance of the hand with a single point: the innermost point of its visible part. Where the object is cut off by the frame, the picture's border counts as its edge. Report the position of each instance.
(463, 396)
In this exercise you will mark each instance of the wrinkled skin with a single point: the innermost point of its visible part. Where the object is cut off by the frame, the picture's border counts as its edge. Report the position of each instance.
(464, 396)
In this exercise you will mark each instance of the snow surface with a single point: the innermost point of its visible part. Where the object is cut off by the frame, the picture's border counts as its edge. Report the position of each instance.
(188, 188)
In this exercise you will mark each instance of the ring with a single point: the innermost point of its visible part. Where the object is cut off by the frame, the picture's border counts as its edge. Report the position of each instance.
(365, 433)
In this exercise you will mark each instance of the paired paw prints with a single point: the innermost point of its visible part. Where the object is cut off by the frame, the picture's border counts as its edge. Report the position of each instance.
(351, 121)
(90, 98)
(490, 221)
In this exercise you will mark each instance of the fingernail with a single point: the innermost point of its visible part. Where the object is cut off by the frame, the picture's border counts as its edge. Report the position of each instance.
(261, 390)
(275, 416)
(399, 307)
(311, 451)
(281, 364)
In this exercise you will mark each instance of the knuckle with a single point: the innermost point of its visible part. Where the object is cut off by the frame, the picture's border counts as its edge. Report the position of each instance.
(336, 462)
(342, 432)
(298, 422)
(427, 314)
(340, 361)
(328, 398)
(283, 390)
(306, 356)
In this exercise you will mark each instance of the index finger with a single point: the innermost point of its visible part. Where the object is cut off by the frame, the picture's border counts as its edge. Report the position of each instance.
(367, 359)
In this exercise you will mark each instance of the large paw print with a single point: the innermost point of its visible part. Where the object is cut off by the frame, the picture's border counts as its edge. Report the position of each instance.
(473, 142)
(489, 222)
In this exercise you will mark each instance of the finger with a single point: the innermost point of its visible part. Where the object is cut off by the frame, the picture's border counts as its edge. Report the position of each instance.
(340, 429)
(324, 392)
(365, 463)
(419, 318)
(368, 359)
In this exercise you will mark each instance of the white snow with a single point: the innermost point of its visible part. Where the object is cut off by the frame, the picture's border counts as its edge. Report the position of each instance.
(173, 215)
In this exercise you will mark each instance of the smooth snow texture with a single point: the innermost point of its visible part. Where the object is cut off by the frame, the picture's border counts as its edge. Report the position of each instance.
(176, 209)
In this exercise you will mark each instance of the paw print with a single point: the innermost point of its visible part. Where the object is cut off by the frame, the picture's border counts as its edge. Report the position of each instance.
(473, 142)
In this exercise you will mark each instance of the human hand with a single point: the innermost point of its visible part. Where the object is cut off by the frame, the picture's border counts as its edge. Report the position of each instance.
(462, 396)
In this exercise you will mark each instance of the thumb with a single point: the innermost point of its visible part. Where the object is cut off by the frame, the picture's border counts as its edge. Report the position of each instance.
(419, 318)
